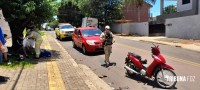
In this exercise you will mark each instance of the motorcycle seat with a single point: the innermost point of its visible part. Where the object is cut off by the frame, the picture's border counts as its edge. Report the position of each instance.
(136, 56)
(139, 58)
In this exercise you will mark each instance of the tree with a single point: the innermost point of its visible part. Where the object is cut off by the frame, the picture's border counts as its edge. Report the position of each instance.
(70, 13)
(18, 13)
(104, 10)
(53, 23)
(170, 9)
(74, 10)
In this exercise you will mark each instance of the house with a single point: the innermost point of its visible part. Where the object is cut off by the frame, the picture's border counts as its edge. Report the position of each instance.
(135, 20)
(183, 24)
(136, 14)
(184, 8)
(184, 5)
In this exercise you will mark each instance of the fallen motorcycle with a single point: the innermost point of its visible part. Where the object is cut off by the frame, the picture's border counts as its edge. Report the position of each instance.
(162, 73)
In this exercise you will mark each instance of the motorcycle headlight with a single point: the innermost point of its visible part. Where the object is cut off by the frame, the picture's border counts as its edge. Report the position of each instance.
(90, 42)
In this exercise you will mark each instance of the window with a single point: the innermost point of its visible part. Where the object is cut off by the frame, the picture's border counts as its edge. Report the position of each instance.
(185, 1)
(66, 26)
(91, 32)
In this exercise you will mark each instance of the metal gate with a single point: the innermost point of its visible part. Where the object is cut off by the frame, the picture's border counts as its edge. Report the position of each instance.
(157, 30)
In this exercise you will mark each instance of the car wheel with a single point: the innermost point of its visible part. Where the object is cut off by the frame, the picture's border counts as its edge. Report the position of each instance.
(84, 49)
(60, 38)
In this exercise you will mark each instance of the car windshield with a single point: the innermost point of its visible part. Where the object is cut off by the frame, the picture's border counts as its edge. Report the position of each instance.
(66, 26)
(93, 32)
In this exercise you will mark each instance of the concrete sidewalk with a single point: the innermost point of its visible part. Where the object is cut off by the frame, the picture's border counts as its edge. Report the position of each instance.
(11, 73)
(60, 72)
(183, 43)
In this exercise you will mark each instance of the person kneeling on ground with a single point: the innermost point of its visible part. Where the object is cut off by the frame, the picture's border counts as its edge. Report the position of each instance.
(38, 40)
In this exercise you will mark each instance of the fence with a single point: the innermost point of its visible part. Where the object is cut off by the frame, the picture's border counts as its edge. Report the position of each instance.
(131, 28)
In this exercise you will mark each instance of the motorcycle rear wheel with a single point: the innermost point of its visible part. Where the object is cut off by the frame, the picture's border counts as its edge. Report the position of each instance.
(129, 73)
(167, 81)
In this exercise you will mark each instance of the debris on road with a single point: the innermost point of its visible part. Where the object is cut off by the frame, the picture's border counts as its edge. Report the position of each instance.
(103, 76)
(121, 88)
(110, 83)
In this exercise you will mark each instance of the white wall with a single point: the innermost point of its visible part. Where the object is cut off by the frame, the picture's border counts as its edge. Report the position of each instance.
(183, 27)
(123, 28)
(140, 28)
(183, 7)
(131, 28)
(199, 7)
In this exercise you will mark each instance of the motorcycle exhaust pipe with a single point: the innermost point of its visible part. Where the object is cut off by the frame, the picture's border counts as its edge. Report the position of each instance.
(128, 68)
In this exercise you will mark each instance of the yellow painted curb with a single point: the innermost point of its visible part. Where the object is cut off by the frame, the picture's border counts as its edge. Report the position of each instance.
(54, 76)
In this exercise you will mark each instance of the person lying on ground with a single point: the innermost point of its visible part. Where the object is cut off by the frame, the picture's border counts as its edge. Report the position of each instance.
(28, 44)
(20, 52)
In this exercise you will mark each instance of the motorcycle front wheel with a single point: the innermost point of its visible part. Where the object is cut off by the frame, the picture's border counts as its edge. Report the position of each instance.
(166, 78)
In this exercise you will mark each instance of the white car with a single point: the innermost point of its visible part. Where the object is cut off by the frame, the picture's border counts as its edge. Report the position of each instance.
(64, 31)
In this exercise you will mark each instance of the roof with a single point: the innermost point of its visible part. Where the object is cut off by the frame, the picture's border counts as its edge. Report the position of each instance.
(60, 24)
(83, 28)
(148, 3)
(145, 2)
(122, 21)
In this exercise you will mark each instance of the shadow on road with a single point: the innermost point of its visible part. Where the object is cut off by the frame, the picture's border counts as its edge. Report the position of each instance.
(3, 79)
(89, 54)
(65, 39)
(111, 64)
(55, 55)
(145, 81)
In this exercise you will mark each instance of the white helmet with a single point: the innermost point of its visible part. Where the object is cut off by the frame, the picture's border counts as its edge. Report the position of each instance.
(107, 27)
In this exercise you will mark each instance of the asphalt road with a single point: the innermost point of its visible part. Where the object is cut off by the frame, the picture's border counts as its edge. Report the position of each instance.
(185, 62)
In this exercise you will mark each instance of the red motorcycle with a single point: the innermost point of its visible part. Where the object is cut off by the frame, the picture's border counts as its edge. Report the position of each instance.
(158, 70)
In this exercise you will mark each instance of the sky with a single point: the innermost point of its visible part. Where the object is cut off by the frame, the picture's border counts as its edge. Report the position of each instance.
(155, 10)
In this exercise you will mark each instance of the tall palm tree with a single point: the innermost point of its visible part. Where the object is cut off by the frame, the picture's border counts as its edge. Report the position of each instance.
(138, 4)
